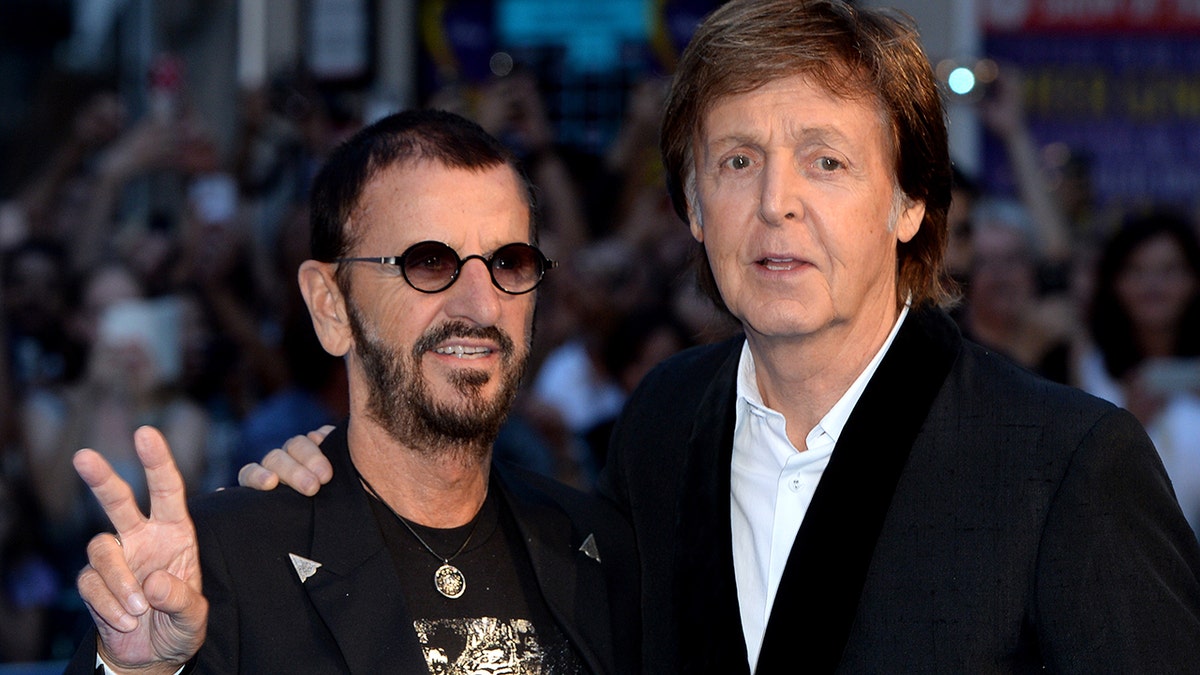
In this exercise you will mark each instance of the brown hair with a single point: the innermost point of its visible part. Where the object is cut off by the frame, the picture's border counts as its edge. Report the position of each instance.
(854, 53)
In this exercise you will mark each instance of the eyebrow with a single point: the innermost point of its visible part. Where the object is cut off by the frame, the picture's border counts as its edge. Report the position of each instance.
(826, 133)
(823, 133)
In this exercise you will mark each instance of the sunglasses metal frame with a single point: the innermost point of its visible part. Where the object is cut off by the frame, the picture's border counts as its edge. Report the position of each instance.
(399, 261)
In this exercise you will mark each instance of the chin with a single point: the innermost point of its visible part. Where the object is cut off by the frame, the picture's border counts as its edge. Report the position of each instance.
(794, 321)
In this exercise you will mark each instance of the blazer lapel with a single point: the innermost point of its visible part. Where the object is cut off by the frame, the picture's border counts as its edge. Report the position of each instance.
(818, 595)
(710, 626)
(355, 590)
(567, 578)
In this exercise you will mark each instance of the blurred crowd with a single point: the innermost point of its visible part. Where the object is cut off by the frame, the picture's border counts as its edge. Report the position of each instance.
(149, 279)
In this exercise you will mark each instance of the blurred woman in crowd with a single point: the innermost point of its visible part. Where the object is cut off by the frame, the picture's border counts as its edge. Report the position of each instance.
(1144, 324)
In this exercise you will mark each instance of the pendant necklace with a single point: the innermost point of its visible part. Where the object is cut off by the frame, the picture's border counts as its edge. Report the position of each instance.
(448, 579)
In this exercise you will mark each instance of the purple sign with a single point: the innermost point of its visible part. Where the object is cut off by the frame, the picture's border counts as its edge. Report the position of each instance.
(1129, 102)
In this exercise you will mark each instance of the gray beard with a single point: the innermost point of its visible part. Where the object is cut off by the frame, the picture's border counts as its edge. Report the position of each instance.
(399, 399)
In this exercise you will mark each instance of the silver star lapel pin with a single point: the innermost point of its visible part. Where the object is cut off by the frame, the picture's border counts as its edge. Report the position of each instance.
(589, 548)
(305, 568)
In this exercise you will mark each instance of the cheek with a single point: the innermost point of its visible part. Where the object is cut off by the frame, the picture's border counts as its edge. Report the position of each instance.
(722, 259)
(518, 318)
(401, 323)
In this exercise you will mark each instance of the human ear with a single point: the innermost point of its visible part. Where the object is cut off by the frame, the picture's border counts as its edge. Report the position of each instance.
(695, 218)
(326, 306)
(909, 221)
(692, 200)
(696, 227)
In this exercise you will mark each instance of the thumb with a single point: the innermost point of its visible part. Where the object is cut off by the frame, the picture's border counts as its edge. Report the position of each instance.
(187, 612)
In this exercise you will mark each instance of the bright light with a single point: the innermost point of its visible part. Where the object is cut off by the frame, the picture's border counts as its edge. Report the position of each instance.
(961, 80)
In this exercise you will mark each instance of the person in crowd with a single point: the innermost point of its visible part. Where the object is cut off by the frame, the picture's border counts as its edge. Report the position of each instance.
(849, 485)
(1004, 307)
(422, 554)
(132, 377)
(1144, 349)
(964, 193)
(639, 341)
(1002, 111)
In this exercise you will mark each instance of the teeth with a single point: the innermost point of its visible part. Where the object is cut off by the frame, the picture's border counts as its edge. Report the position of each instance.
(778, 263)
(461, 351)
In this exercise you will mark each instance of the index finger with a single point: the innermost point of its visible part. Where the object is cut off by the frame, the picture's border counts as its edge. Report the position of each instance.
(114, 494)
(290, 472)
(168, 497)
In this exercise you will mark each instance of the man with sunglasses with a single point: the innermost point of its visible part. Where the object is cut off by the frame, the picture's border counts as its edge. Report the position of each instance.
(419, 555)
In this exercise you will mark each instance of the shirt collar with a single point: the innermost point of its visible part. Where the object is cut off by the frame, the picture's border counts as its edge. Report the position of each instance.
(835, 420)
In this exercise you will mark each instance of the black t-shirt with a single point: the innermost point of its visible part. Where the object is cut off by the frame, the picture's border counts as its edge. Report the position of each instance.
(500, 623)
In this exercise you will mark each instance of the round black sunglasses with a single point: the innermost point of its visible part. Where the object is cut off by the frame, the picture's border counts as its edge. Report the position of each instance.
(432, 267)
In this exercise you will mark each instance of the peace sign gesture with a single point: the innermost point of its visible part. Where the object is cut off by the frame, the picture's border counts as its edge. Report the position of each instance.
(142, 586)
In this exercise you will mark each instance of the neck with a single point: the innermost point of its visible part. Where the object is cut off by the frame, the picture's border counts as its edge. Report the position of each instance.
(1156, 343)
(803, 378)
(441, 490)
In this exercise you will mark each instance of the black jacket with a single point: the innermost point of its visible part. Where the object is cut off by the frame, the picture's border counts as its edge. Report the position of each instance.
(973, 518)
(350, 616)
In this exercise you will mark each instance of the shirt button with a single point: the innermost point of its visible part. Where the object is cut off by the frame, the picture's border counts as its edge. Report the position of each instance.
(794, 484)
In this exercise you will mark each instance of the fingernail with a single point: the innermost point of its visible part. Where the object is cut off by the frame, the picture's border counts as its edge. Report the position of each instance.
(127, 623)
(309, 486)
(137, 604)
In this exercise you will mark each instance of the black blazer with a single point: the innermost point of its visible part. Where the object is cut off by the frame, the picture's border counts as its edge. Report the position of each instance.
(350, 615)
(973, 519)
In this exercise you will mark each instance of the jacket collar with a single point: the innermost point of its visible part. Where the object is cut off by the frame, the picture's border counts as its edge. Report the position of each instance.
(566, 576)
(817, 599)
(818, 594)
(356, 591)
(710, 626)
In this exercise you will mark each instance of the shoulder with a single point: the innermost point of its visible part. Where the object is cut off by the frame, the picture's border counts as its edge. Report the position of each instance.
(996, 378)
(1041, 425)
(527, 486)
(249, 512)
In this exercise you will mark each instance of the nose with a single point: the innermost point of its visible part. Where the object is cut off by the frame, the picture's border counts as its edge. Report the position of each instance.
(473, 296)
(780, 198)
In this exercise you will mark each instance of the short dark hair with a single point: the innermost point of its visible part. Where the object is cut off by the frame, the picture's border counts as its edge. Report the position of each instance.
(854, 53)
(407, 136)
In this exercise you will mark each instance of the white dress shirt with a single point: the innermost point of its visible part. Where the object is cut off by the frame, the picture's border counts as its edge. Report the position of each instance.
(772, 485)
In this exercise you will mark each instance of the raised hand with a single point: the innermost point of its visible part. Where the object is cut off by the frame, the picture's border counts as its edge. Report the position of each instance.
(299, 465)
(142, 586)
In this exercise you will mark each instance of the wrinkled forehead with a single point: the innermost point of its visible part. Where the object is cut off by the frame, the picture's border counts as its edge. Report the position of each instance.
(429, 192)
(862, 96)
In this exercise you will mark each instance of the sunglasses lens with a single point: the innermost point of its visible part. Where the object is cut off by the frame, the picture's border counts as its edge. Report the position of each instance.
(430, 266)
(517, 267)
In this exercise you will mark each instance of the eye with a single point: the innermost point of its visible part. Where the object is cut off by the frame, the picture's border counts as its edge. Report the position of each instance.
(738, 162)
(516, 259)
(829, 164)
(430, 261)
(507, 260)
(430, 257)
